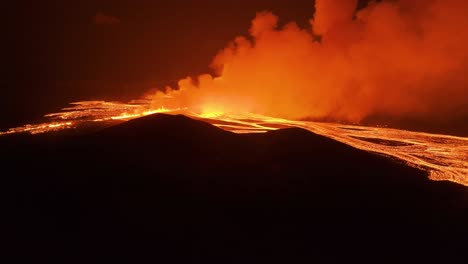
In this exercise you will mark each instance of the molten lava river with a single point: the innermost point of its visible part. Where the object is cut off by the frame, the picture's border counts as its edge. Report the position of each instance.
(443, 157)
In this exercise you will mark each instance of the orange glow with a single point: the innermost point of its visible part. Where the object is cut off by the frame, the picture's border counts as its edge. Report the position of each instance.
(444, 157)
(398, 58)
(393, 58)
(40, 128)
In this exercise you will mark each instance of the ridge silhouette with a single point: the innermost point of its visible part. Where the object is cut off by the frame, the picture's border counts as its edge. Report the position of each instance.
(171, 189)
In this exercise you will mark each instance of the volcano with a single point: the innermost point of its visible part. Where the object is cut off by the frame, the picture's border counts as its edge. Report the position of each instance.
(171, 189)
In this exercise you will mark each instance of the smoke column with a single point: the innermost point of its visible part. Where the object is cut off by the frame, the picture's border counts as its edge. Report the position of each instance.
(393, 58)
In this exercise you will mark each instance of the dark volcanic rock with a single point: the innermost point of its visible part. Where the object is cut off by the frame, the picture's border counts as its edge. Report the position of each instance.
(170, 189)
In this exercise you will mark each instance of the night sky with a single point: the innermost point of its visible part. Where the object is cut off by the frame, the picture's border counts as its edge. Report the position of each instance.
(61, 51)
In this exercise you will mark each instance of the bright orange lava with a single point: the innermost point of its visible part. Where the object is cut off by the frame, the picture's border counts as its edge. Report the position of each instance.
(443, 157)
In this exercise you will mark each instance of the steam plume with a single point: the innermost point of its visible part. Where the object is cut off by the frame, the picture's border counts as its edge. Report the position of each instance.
(393, 58)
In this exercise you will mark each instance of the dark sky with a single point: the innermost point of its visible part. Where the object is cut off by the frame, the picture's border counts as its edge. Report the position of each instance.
(55, 52)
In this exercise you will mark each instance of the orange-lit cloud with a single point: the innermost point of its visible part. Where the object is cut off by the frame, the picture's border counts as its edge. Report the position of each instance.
(393, 58)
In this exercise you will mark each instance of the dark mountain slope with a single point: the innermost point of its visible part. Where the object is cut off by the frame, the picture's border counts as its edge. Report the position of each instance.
(170, 189)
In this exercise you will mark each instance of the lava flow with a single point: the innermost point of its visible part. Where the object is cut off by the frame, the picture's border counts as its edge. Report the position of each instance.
(443, 157)
(398, 59)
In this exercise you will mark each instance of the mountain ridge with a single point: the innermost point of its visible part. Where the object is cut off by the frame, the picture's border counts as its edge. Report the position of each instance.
(173, 189)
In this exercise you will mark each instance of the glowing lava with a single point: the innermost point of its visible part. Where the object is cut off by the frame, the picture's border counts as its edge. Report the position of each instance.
(391, 58)
(443, 157)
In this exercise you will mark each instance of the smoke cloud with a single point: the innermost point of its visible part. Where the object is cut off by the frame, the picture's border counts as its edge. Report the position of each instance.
(393, 58)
